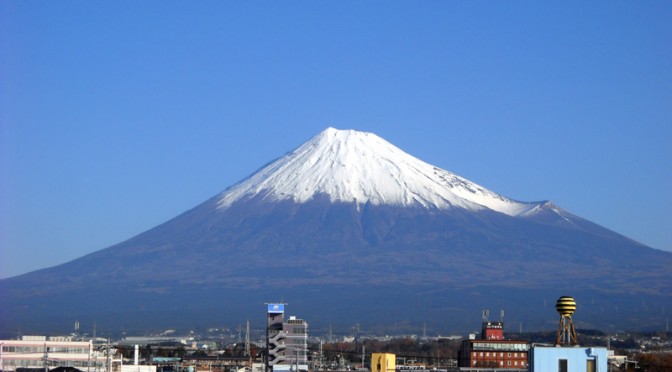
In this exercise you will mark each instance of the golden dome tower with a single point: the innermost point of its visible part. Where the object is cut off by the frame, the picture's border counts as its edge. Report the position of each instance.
(566, 333)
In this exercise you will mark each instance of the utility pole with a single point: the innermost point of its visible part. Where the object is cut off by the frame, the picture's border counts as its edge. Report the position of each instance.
(108, 358)
(247, 340)
(46, 358)
(296, 349)
(248, 352)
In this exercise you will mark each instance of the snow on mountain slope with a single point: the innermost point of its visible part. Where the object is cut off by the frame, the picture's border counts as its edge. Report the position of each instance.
(360, 167)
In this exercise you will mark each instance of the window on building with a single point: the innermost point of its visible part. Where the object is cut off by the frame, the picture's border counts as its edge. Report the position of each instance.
(590, 365)
(487, 354)
(562, 365)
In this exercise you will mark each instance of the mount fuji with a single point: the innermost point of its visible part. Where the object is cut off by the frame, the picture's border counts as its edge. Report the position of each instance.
(349, 228)
(355, 167)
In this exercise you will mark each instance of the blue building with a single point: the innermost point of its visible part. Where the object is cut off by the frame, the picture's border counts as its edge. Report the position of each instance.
(568, 359)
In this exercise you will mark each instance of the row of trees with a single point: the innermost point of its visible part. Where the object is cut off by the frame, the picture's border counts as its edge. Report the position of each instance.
(413, 351)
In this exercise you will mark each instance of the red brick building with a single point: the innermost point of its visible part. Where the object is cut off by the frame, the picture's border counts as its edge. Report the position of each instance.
(493, 351)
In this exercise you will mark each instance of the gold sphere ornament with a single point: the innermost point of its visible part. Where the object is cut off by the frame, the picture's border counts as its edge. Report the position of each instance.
(566, 306)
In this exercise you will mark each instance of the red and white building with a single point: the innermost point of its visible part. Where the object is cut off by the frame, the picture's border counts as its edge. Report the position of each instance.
(493, 351)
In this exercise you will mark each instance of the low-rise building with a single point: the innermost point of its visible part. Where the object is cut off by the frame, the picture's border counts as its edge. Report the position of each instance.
(567, 355)
(48, 353)
(383, 362)
(493, 351)
(567, 359)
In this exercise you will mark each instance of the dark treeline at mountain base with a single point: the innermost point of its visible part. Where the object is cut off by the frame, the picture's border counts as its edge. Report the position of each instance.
(654, 362)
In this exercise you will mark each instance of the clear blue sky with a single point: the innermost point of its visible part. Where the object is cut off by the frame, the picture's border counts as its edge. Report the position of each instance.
(117, 116)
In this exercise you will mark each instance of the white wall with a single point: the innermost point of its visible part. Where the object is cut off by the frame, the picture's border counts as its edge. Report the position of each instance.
(545, 359)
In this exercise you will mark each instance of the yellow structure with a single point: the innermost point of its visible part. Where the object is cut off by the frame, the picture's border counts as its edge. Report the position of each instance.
(383, 362)
(566, 306)
(566, 333)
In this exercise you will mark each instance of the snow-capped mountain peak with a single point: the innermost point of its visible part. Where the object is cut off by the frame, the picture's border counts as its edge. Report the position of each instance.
(358, 167)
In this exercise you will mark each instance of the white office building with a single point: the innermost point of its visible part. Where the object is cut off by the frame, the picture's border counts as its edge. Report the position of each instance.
(49, 353)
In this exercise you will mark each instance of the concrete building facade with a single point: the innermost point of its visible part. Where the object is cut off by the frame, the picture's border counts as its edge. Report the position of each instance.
(48, 353)
(287, 341)
(383, 362)
(568, 359)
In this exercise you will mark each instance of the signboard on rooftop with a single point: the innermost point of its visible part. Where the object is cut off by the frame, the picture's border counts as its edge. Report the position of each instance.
(276, 308)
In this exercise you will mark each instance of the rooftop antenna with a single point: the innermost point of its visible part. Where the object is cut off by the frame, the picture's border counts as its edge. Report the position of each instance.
(486, 315)
(501, 315)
